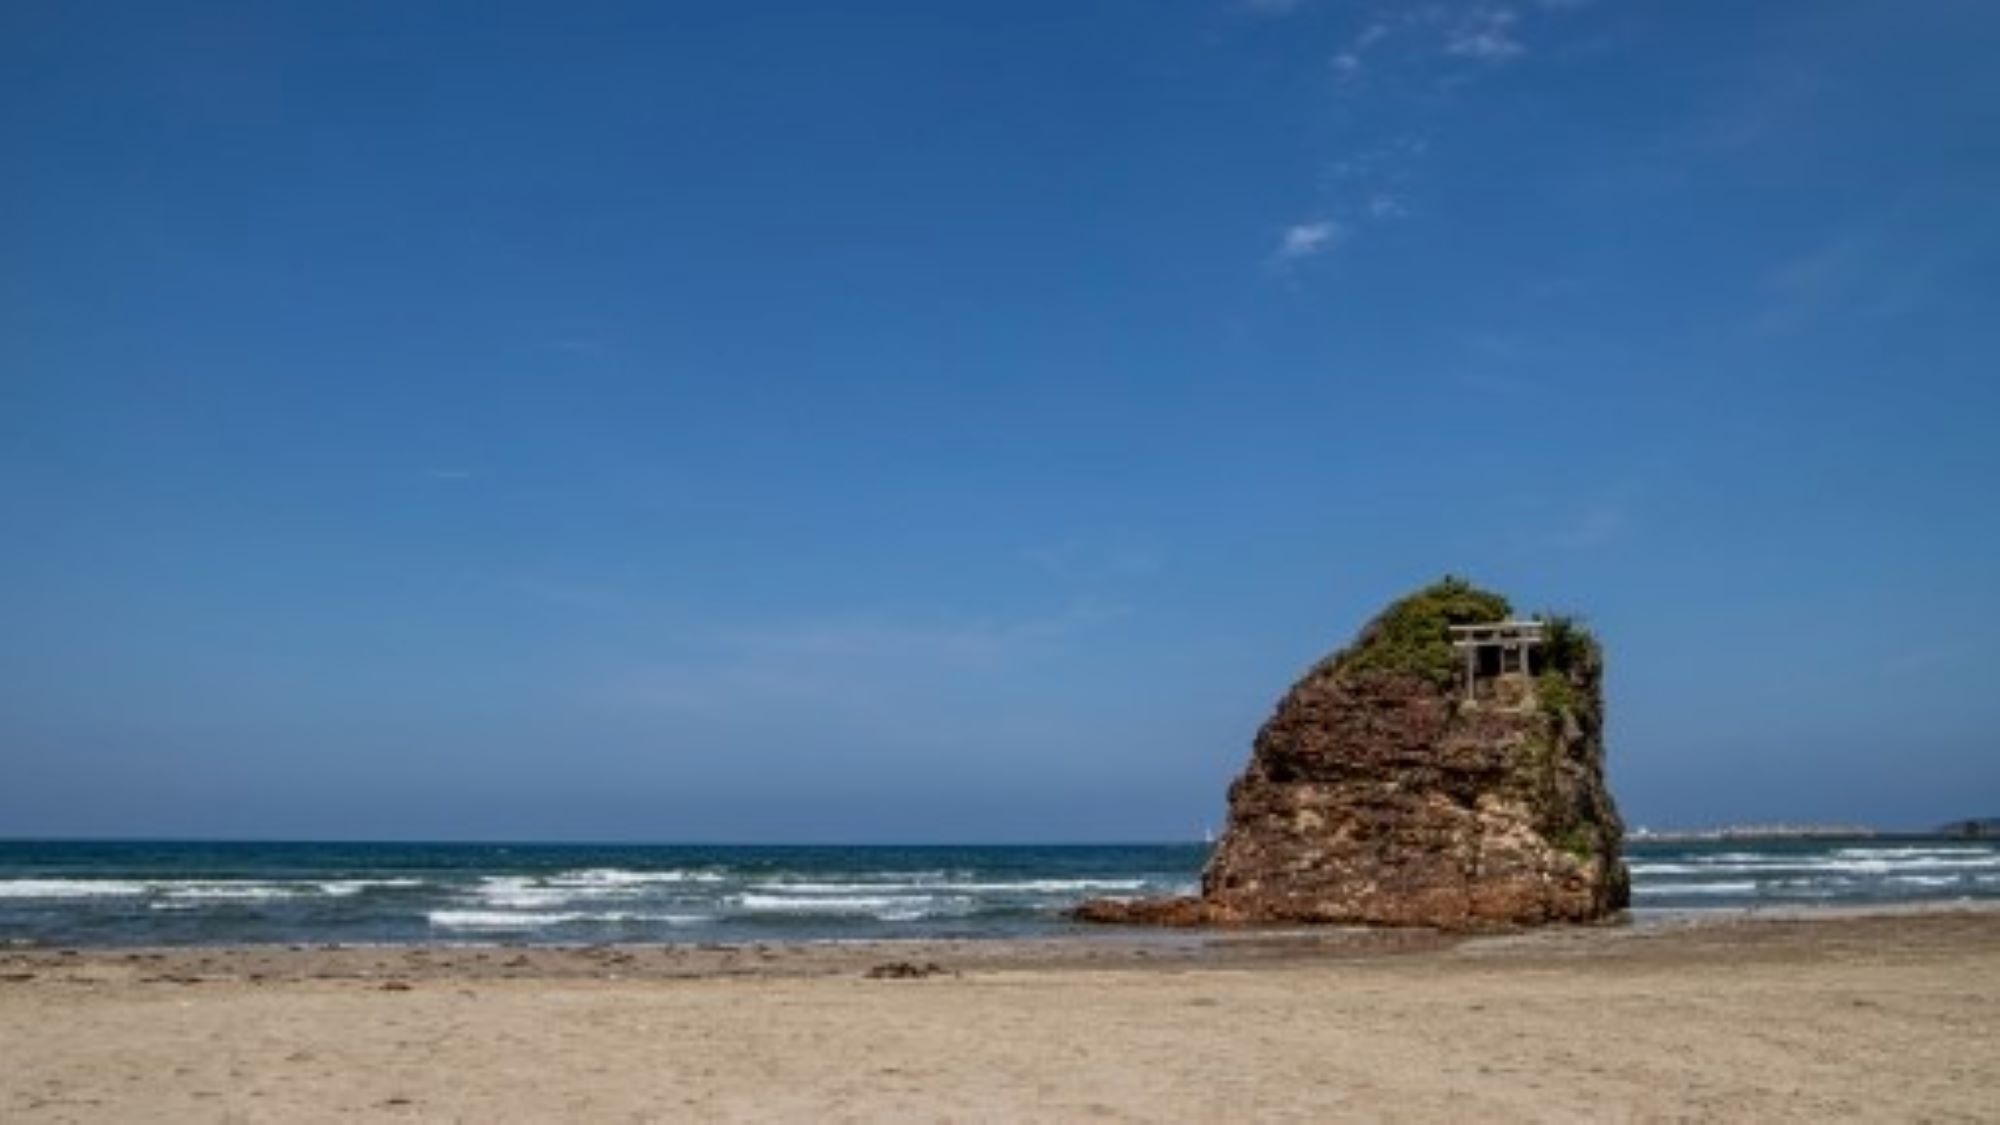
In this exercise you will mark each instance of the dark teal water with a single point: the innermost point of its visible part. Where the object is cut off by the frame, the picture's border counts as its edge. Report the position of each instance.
(201, 893)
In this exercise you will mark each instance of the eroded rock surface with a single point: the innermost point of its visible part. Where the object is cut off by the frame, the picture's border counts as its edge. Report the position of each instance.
(1390, 788)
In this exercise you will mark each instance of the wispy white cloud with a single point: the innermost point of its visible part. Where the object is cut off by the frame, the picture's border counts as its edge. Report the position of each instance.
(1406, 60)
(1479, 30)
(1881, 270)
(1383, 205)
(1378, 164)
(1307, 240)
(1351, 60)
(1486, 34)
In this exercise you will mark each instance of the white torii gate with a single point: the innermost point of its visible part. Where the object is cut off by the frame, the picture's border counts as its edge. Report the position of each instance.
(1506, 638)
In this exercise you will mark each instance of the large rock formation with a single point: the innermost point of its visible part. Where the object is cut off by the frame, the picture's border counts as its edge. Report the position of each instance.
(1395, 785)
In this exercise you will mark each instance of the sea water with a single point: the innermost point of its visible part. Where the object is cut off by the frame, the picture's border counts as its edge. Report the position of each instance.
(157, 893)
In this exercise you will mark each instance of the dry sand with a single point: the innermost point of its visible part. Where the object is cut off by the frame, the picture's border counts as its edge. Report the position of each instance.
(1876, 1017)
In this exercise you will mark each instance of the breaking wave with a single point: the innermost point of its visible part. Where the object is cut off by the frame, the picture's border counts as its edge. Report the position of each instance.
(1665, 875)
(535, 920)
(70, 888)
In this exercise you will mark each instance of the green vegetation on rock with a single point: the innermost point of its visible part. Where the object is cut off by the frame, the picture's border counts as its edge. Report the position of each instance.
(1578, 841)
(1570, 658)
(1566, 645)
(1556, 694)
(1413, 636)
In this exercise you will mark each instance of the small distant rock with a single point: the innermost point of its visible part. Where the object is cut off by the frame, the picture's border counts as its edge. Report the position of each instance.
(908, 970)
(1148, 912)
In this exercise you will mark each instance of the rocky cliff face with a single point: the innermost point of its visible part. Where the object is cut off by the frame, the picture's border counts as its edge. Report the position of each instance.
(1390, 789)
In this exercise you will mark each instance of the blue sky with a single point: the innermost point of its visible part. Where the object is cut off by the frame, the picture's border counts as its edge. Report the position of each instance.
(916, 421)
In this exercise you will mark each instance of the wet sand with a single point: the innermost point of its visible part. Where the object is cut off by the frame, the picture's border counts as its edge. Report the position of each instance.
(1887, 1016)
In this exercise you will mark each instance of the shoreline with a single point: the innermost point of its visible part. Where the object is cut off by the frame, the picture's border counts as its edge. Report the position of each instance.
(132, 896)
(1880, 1015)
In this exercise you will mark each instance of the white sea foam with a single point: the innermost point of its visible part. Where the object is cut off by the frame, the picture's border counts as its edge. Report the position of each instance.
(341, 888)
(517, 891)
(535, 919)
(571, 887)
(224, 892)
(498, 919)
(1745, 868)
(1711, 870)
(71, 888)
(1744, 887)
(185, 890)
(881, 906)
(197, 899)
(1639, 868)
(1849, 865)
(1825, 881)
(621, 877)
(1989, 861)
(1020, 886)
(530, 892)
(1926, 880)
(789, 887)
(1054, 886)
(1897, 853)
(1920, 863)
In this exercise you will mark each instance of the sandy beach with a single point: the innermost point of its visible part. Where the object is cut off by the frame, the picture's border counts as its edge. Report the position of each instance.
(1880, 1017)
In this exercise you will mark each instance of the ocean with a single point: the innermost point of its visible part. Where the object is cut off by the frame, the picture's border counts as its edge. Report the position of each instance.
(180, 893)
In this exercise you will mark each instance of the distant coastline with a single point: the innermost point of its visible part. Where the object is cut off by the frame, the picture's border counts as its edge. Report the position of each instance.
(1975, 828)
(1765, 832)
